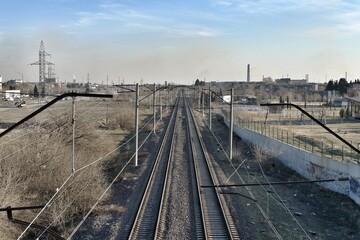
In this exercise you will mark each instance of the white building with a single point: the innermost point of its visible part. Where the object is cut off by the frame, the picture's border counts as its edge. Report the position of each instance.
(227, 98)
(0, 83)
(12, 94)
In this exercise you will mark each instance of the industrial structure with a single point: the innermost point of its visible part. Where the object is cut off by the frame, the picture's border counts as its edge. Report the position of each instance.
(248, 73)
(42, 65)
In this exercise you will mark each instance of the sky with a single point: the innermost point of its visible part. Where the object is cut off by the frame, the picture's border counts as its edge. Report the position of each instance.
(180, 41)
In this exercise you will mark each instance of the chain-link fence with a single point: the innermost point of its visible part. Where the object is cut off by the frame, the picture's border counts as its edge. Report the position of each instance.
(334, 150)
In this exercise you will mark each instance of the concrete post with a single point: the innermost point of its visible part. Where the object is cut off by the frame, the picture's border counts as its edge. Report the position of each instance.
(154, 112)
(209, 108)
(231, 123)
(137, 124)
(73, 134)
(199, 100)
(160, 102)
(203, 101)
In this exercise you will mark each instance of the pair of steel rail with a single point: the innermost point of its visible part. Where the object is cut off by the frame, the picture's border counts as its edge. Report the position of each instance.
(210, 212)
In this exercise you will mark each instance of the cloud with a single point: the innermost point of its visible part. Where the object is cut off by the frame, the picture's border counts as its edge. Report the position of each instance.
(343, 21)
(279, 6)
(110, 12)
(207, 33)
(225, 3)
(129, 20)
(348, 21)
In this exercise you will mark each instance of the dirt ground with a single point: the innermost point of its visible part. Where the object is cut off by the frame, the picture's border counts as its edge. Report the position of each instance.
(303, 211)
(299, 211)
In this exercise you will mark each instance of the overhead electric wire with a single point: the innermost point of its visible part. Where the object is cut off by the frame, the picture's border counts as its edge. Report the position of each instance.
(28, 133)
(45, 206)
(93, 175)
(283, 205)
(32, 143)
(61, 189)
(81, 169)
(251, 194)
(88, 165)
(68, 205)
(106, 190)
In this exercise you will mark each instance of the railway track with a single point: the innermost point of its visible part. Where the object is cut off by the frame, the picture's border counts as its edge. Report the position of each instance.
(145, 223)
(209, 211)
(216, 218)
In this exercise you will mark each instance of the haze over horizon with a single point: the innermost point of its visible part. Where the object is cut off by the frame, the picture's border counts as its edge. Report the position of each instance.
(180, 41)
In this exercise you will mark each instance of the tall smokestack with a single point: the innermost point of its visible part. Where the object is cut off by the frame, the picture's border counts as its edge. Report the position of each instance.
(248, 73)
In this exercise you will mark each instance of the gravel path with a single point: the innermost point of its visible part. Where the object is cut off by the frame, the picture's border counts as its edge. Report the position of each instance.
(179, 223)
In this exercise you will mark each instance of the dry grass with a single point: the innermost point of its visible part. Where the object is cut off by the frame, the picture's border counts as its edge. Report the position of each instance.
(36, 159)
(100, 210)
(261, 155)
(34, 166)
(238, 152)
(122, 116)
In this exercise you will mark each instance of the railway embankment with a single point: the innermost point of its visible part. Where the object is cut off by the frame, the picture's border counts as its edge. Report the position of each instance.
(307, 164)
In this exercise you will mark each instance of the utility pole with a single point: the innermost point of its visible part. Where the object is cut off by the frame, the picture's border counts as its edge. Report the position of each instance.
(199, 100)
(87, 85)
(73, 134)
(160, 102)
(203, 101)
(154, 112)
(136, 124)
(231, 124)
(167, 97)
(209, 108)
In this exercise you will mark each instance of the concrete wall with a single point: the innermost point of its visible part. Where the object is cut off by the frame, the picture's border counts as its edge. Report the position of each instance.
(308, 165)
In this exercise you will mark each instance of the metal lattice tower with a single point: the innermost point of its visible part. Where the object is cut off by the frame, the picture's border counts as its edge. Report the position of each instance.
(42, 63)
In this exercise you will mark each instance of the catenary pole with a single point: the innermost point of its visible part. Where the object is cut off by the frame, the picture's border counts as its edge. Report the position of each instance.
(203, 101)
(231, 124)
(210, 108)
(154, 112)
(136, 124)
(73, 134)
(160, 103)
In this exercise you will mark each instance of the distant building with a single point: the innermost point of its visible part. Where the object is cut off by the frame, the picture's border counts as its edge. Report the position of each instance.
(354, 90)
(289, 81)
(341, 102)
(268, 80)
(51, 81)
(0, 83)
(12, 94)
(331, 96)
(73, 85)
(298, 82)
(354, 105)
(283, 81)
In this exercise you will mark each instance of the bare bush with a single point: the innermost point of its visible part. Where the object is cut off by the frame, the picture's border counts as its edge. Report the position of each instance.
(260, 153)
(122, 116)
(33, 167)
(238, 152)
